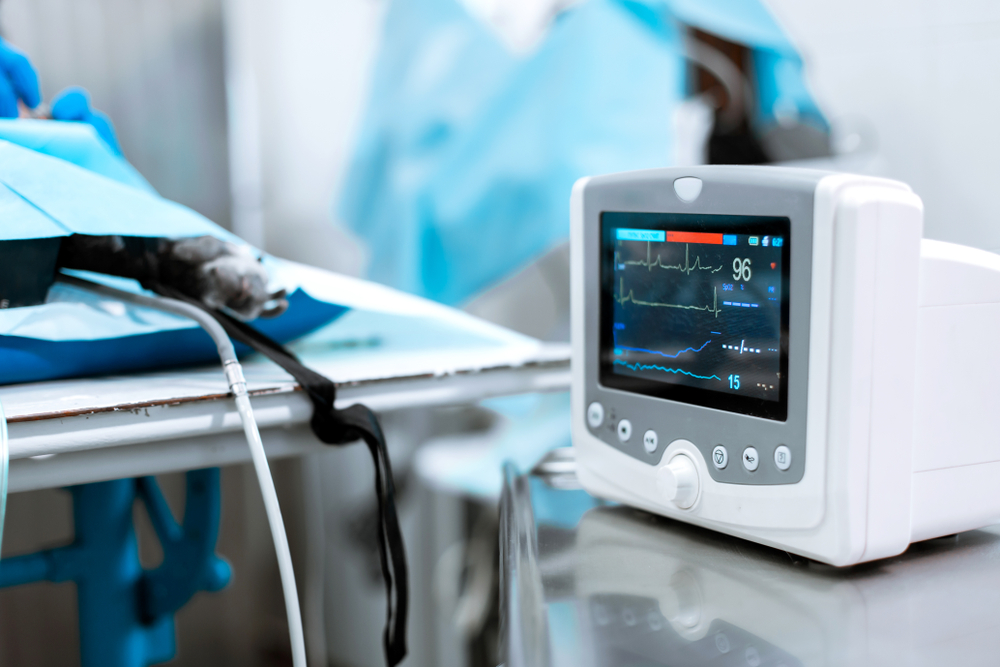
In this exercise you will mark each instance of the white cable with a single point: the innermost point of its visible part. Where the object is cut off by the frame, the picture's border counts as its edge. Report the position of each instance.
(237, 385)
(4, 463)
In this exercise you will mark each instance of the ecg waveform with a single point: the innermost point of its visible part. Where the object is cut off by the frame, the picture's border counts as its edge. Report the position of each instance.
(622, 298)
(662, 354)
(654, 367)
(687, 267)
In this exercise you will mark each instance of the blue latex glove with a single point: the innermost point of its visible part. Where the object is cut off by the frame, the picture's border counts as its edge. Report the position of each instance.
(73, 104)
(18, 81)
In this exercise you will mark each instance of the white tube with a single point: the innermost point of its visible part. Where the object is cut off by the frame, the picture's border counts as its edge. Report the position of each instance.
(266, 483)
(237, 385)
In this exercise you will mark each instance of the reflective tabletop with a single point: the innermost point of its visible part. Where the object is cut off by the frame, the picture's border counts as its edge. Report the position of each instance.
(588, 584)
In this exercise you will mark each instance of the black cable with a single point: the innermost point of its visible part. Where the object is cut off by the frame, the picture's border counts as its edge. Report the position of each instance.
(342, 427)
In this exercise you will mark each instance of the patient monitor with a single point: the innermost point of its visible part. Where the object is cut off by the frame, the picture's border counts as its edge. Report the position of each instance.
(777, 354)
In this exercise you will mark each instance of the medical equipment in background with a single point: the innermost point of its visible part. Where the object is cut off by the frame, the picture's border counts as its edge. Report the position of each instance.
(777, 354)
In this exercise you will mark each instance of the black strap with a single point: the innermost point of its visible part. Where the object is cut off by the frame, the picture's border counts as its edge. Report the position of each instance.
(342, 427)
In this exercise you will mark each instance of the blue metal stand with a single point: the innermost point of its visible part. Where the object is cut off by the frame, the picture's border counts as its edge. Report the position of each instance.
(127, 613)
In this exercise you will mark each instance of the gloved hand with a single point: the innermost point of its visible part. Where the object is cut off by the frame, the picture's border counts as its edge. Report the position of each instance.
(73, 104)
(18, 81)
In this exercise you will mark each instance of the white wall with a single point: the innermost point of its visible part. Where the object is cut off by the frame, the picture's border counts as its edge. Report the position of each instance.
(156, 67)
(298, 73)
(924, 73)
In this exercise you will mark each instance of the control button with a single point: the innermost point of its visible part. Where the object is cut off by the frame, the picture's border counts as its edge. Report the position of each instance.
(782, 457)
(750, 459)
(678, 481)
(624, 430)
(720, 457)
(649, 440)
(595, 415)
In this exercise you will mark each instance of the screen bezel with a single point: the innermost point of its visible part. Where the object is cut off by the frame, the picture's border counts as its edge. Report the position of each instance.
(695, 222)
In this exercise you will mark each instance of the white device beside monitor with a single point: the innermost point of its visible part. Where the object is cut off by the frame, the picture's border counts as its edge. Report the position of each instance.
(777, 354)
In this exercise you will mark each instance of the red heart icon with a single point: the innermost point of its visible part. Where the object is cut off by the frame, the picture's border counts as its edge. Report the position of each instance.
(774, 265)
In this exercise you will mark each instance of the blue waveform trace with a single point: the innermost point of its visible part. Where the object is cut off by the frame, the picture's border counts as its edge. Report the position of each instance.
(662, 354)
(654, 367)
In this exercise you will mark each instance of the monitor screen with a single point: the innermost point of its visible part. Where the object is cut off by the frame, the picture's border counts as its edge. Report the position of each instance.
(694, 308)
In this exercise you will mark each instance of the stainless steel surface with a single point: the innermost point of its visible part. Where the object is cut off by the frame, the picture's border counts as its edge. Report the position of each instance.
(588, 584)
(133, 440)
(91, 429)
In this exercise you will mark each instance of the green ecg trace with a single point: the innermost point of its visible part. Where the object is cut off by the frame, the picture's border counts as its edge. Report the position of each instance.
(687, 268)
(654, 367)
(622, 298)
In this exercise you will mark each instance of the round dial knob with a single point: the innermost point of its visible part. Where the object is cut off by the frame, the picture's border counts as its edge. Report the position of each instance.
(678, 481)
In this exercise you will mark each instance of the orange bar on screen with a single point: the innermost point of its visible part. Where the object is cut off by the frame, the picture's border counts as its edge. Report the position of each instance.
(694, 237)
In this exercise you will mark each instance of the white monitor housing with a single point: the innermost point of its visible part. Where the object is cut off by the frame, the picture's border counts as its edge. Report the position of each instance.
(778, 354)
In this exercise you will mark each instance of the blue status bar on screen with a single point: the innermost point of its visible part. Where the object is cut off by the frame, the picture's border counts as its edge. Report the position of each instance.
(729, 239)
(640, 235)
